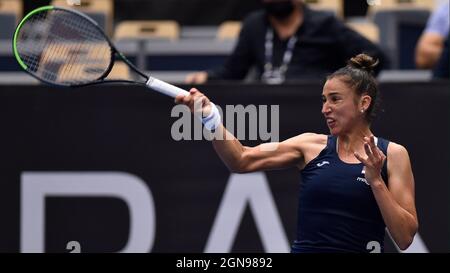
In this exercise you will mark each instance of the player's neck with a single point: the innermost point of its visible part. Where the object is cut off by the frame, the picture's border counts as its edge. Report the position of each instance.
(287, 27)
(353, 140)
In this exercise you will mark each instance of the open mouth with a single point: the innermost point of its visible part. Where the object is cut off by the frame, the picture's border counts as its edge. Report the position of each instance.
(331, 122)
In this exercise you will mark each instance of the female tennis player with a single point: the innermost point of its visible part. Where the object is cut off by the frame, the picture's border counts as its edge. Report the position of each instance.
(354, 184)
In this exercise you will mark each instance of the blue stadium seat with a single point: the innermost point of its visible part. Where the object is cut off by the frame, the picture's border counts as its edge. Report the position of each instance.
(7, 24)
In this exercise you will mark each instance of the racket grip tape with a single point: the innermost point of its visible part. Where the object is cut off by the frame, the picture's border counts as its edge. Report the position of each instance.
(213, 120)
(165, 88)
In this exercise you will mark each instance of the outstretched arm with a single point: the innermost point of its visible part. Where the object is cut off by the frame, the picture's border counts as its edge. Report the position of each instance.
(268, 156)
(241, 159)
(396, 203)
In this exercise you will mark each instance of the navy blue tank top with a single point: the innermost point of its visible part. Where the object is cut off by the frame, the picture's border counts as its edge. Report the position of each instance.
(337, 210)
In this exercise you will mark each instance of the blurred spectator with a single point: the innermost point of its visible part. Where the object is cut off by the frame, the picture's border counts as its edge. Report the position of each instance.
(28, 6)
(354, 8)
(288, 40)
(442, 70)
(431, 43)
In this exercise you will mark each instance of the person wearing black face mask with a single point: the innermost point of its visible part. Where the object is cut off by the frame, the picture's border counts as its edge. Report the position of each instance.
(279, 9)
(287, 41)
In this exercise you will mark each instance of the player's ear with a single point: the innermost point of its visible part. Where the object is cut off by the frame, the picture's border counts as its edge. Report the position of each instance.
(365, 102)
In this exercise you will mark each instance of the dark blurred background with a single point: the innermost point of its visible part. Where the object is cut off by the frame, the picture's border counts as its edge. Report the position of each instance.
(194, 12)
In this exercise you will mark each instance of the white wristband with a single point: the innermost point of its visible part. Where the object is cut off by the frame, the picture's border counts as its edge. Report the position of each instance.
(213, 120)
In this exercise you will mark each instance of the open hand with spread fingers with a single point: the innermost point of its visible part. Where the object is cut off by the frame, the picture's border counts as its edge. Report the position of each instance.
(374, 161)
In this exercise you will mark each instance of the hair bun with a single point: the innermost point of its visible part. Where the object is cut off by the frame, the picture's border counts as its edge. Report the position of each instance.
(363, 62)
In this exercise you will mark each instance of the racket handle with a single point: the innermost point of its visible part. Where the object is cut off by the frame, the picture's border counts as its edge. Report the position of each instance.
(165, 88)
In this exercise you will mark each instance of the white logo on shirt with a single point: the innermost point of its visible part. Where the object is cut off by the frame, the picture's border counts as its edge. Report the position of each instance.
(323, 163)
(362, 180)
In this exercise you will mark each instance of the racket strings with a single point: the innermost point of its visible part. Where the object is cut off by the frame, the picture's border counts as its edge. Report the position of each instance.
(27, 47)
(62, 47)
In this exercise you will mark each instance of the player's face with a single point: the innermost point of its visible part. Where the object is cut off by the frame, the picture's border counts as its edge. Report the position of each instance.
(340, 106)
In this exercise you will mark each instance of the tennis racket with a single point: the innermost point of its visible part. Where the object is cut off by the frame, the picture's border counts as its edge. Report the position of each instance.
(64, 47)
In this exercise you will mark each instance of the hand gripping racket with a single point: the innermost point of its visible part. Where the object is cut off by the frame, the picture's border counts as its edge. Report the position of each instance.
(65, 47)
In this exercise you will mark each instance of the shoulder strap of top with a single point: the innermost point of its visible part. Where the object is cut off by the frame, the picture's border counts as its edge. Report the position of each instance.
(383, 146)
(331, 144)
